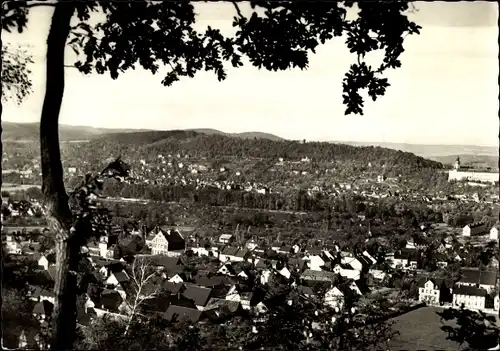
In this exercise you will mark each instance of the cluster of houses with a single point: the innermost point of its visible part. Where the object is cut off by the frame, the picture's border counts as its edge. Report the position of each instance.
(16, 209)
(209, 294)
(204, 295)
(475, 290)
(480, 228)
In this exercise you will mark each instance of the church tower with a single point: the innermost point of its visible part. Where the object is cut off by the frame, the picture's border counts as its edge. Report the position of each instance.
(457, 164)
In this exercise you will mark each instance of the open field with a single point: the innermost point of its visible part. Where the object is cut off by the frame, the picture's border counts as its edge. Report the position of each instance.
(421, 330)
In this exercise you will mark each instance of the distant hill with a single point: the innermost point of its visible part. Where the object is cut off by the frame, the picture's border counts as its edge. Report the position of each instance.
(245, 135)
(476, 161)
(30, 132)
(433, 151)
(217, 145)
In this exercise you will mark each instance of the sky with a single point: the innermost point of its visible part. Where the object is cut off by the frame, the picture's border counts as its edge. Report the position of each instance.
(446, 91)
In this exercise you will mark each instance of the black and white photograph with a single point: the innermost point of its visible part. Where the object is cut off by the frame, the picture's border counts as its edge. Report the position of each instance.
(250, 175)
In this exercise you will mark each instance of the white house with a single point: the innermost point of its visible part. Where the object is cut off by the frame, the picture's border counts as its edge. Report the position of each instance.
(377, 274)
(429, 292)
(116, 278)
(226, 269)
(165, 242)
(43, 262)
(265, 276)
(285, 272)
(370, 257)
(176, 279)
(251, 245)
(347, 273)
(474, 229)
(334, 298)
(471, 297)
(13, 247)
(494, 233)
(200, 251)
(314, 262)
(225, 238)
(352, 262)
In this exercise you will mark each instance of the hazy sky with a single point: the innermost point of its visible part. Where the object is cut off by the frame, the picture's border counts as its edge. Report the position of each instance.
(445, 93)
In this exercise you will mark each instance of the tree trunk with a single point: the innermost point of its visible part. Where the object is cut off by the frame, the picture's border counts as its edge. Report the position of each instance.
(58, 213)
(1, 145)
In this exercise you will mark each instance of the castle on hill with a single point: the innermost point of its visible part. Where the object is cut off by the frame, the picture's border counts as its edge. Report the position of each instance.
(470, 174)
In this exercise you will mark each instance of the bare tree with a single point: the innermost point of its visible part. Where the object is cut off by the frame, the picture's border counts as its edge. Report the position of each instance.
(143, 287)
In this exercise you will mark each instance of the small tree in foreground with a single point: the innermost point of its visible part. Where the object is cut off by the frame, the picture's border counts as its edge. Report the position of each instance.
(143, 288)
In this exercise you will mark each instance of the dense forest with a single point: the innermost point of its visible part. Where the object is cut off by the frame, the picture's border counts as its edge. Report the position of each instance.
(216, 146)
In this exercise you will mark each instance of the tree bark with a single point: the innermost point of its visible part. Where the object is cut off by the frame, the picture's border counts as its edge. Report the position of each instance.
(1, 146)
(58, 213)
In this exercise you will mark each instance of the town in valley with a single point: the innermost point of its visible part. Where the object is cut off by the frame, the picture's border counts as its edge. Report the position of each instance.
(250, 175)
(229, 225)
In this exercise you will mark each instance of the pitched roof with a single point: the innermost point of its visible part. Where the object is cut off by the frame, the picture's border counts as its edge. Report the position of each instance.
(44, 307)
(242, 253)
(52, 272)
(110, 299)
(310, 274)
(121, 277)
(469, 291)
(215, 303)
(173, 288)
(364, 260)
(198, 294)
(228, 250)
(175, 240)
(165, 261)
(306, 290)
(182, 313)
(477, 276)
(212, 281)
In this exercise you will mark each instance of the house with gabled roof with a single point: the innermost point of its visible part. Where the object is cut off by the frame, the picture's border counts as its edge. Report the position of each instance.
(471, 297)
(47, 260)
(199, 295)
(485, 279)
(223, 306)
(429, 291)
(234, 254)
(108, 247)
(227, 269)
(166, 242)
(110, 300)
(38, 293)
(405, 259)
(226, 238)
(314, 262)
(180, 313)
(241, 294)
(347, 271)
(494, 233)
(315, 276)
(472, 229)
(43, 310)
